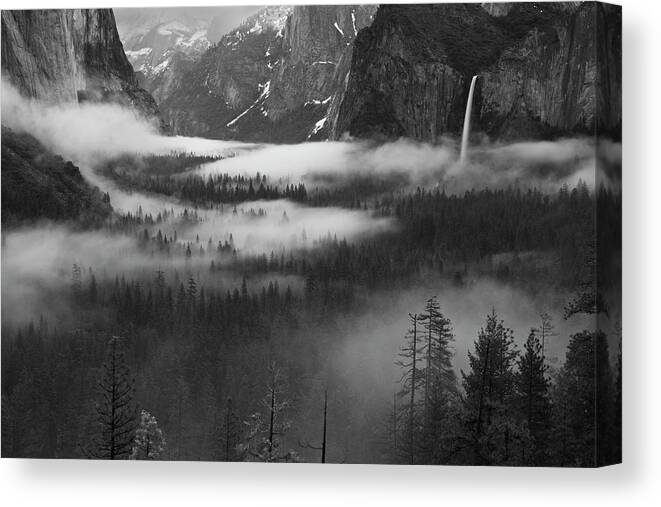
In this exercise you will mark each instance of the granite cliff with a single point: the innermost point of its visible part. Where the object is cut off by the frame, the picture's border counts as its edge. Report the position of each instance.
(544, 70)
(275, 78)
(70, 55)
(289, 74)
(60, 57)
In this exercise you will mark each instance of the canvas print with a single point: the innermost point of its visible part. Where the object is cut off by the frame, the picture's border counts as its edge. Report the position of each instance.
(385, 234)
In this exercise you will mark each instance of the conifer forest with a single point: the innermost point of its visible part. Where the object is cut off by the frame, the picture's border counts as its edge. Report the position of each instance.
(209, 270)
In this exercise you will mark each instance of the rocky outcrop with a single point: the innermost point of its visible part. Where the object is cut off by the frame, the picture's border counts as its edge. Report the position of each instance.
(400, 81)
(544, 70)
(317, 41)
(308, 78)
(70, 55)
(549, 80)
(38, 184)
(275, 78)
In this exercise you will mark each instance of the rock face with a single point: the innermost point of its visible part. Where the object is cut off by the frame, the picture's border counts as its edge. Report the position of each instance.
(275, 78)
(544, 70)
(317, 48)
(70, 55)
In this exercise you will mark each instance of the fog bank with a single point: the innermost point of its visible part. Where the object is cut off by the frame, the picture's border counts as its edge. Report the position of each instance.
(89, 133)
(546, 165)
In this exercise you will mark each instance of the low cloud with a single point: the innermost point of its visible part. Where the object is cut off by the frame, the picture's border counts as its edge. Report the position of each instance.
(89, 132)
(546, 165)
(37, 261)
(262, 226)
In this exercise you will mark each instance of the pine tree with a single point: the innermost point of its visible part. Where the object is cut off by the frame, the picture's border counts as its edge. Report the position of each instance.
(149, 443)
(585, 393)
(229, 435)
(545, 331)
(440, 382)
(76, 282)
(191, 292)
(489, 387)
(589, 298)
(115, 411)
(532, 393)
(582, 400)
(93, 290)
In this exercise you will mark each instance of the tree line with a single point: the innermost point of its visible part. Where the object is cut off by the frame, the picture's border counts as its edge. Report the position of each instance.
(210, 351)
(547, 236)
(508, 408)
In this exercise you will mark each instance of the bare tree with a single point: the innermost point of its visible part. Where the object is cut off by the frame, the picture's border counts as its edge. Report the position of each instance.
(411, 380)
(265, 434)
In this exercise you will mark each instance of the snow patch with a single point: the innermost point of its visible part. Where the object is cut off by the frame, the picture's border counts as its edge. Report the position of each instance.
(353, 22)
(315, 102)
(318, 126)
(160, 68)
(233, 122)
(138, 52)
(173, 26)
(257, 28)
(199, 38)
(198, 35)
(265, 92)
(338, 28)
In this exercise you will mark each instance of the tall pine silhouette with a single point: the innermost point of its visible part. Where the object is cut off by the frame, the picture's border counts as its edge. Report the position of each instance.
(115, 409)
(489, 387)
(532, 396)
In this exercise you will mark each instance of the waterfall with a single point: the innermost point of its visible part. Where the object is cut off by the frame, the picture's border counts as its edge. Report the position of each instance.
(467, 122)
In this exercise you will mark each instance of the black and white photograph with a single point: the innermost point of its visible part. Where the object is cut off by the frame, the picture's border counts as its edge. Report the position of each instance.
(336, 234)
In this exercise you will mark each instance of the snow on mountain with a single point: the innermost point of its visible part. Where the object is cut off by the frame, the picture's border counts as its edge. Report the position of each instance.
(150, 52)
(152, 36)
(274, 78)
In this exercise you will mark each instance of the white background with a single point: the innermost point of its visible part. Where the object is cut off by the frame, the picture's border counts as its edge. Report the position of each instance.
(637, 482)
